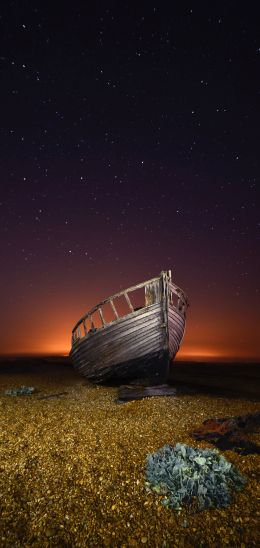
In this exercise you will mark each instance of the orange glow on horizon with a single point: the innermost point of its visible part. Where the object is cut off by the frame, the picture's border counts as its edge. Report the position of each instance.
(198, 353)
(45, 329)
(186, 353)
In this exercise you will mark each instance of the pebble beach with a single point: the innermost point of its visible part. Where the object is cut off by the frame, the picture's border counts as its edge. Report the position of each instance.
(72, 462)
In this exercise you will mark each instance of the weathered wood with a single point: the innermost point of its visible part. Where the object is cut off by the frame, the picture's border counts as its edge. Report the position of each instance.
(114, 308)
(130, 338)
(102, 317)
(153, 293)
(138, 392)
(85, 327)
(129, 302)
(115, 296)
(150, 334)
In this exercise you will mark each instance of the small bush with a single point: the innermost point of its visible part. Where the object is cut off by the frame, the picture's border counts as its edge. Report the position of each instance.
(186, 475)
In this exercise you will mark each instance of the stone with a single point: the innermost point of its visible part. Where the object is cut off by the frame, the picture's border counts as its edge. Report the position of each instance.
(22, 391)
(231, 433)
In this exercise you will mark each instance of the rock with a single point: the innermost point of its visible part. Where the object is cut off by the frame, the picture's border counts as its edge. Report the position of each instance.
(231, 433)
(50, 532)
(22, 391)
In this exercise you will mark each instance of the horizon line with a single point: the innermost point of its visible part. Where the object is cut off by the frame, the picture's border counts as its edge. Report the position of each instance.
(183, 358)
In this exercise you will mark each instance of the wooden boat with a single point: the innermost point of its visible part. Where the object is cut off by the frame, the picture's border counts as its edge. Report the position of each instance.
(133, 334)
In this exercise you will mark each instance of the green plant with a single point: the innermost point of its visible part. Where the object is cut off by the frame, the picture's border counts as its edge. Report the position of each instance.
(186, 475)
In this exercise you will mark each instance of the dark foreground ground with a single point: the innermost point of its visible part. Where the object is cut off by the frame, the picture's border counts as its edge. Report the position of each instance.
(232, 379)
(72, 459)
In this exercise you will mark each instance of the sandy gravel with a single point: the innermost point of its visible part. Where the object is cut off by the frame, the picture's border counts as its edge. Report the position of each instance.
(72, 469)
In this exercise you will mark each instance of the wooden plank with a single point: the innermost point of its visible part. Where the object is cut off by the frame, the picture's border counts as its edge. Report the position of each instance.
(153, 293)
(113, 297)
(102, 317)
(137, 347)
(85, 327)
(110, 335)
(114, 308)
(133, 317)
(130, 393)
(151, 365)
(175, 328)
(129, 302)
(152, 344)
(120, 358)
(176, 318)
(176, 335)
(129, 339)
(140, 348)
(141, 334)
(153, 330)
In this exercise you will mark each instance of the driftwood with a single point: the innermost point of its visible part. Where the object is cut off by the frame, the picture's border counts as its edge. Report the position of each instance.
(133, 392)
(231, 433)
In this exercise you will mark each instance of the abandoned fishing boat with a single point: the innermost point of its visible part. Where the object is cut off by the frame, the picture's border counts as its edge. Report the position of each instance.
(133, 334)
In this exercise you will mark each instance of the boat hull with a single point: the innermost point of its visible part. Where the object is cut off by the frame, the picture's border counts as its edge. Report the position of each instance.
(137, 346)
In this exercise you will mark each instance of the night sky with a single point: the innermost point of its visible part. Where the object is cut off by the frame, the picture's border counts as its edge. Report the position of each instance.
(129, 145)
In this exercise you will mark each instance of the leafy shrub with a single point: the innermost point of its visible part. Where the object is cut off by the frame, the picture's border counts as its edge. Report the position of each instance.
(187, 475)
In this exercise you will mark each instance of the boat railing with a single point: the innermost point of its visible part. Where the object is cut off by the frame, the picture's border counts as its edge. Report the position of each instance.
(177, 297)
(153, 294)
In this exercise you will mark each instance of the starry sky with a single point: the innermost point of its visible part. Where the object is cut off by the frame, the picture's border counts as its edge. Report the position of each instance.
(129, 145)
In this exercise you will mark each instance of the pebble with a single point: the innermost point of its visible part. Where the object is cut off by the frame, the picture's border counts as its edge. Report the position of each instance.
(50, 532)
(85, 455)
